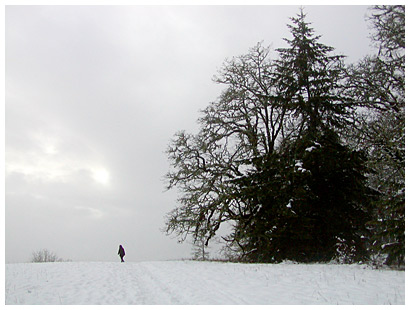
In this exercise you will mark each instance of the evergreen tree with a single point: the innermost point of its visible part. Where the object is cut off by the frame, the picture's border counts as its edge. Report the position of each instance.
(311, 79)
(308, 200)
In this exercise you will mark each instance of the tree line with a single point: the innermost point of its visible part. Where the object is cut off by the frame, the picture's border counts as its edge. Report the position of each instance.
(302, 156)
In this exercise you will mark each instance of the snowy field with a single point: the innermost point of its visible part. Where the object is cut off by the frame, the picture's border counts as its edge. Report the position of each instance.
(190, 282)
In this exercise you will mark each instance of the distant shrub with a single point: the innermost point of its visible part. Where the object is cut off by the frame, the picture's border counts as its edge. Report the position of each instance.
(44, 256)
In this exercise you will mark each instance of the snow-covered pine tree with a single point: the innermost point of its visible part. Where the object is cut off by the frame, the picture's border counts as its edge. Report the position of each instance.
(310, 193)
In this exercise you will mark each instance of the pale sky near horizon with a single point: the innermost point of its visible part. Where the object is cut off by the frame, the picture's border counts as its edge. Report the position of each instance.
(94, 95)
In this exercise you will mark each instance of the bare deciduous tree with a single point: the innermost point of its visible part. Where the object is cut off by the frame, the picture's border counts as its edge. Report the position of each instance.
(44, 256)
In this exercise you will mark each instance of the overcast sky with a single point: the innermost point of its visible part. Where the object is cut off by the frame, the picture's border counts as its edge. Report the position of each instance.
(93, 98)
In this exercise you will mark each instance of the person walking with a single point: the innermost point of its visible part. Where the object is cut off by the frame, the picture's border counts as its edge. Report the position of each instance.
(121, 253)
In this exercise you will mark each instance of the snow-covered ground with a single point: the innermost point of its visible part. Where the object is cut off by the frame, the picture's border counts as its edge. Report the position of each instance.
(190, 282)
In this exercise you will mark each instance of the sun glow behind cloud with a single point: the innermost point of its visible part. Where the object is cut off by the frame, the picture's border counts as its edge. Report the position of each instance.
(101, 175)
(48, 162)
